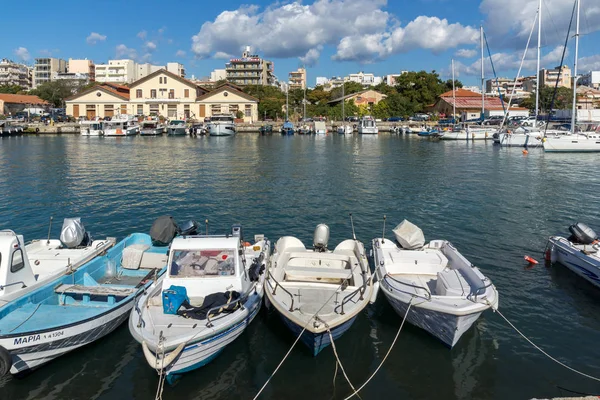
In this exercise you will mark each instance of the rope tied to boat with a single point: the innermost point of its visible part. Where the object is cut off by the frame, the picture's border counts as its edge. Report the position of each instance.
(161, 376)
(495, 309)
(339, 362)
(386, 354)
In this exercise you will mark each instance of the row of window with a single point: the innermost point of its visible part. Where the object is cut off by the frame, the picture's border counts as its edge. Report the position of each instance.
(139, 94)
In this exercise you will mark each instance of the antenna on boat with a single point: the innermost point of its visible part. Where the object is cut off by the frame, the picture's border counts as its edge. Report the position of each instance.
(206, 223)
(352, 224)
(383, 233)
(49, 229)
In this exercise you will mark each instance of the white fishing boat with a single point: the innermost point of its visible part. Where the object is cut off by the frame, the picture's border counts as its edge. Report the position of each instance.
(318, 292)
(91, 128)
(212, 290)
(152, 127)
(176, 127)
(121, 125)
(367, 126)
(446, 292)
(580, 252)
(26, 266)
(319, 128)
(221, 125)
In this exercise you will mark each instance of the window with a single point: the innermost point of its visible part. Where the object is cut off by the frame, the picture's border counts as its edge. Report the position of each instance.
(160, 79)
(171, 93)
(17, 262)
(215, 109)
(154, 109)
(165, 79)
(202, 263)
(138, 93)
(186, 93)
(186, 111)
(233, 108)
(248, 110)
(153, 93)
(140, 109)
(172, 111)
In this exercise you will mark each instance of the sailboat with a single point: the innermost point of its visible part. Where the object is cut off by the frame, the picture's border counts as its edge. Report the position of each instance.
(575, 140)
(288, 127)
(345, 128)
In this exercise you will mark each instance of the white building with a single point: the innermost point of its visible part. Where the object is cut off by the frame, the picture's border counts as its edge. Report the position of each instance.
(12, 73)
(176, 68)
(218, 75)
(474, 89)
(591, 79)
(321, 80)
(84, 66)
(364, 79)
(44, 68)
(116, 71)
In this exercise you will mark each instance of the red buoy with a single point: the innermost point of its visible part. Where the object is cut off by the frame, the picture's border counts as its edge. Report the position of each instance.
(530, 260)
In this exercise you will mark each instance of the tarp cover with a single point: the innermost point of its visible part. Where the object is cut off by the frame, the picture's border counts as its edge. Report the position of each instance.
(163, 230)
(409, 235)
(72, 233)
(211, 301)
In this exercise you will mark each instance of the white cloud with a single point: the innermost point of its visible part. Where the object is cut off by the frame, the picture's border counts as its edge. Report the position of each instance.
(587, 64)
(221, 55)
(22, 53)
(465, 53)
(94, 38)
(146, 57)
(124, 51)
(180, 53)
(142, 35)
(311, 57)
(150, 46)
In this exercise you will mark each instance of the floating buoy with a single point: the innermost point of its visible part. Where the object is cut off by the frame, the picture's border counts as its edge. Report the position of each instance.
(525, 152)
(530, 260)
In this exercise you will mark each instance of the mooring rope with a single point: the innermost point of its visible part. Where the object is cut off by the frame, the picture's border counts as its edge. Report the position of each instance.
(542, 351)
(386, 354)
(161, 376)
(338, 361)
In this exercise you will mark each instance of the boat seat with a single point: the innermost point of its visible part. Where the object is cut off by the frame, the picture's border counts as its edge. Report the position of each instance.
(311, 274)
(319, 260)
(450, 282)
(111, 292)
(415, 262)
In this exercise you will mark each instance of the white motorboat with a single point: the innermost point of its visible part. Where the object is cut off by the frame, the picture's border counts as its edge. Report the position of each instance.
(345, 129)
(91, 128)
(580, 252)
(469, 133)
(367, 126)
(152, 127)
(121, 125)
(446, 292)
(221, 125)
(319, 128)
(585, 140)
(211, 291)
(318, 290)
(177, 127)
(25, 267)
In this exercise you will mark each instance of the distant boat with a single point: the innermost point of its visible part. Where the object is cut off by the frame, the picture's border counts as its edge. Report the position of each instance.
(319, 128)
(121, 125)
(91, 128)
(177, 127)
(221, 125)
(266, 129)
(152, 127)
(367, 126)
(287, 128)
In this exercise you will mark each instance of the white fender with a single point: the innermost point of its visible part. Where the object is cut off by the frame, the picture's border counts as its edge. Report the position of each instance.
(375, 291)
(163, 363)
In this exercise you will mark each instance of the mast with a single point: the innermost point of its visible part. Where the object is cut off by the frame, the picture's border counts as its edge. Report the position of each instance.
(343, 109)
(287, 106)
(482, 75)
(539, 50)
(574, 111)
(453, 96)
(304, 100)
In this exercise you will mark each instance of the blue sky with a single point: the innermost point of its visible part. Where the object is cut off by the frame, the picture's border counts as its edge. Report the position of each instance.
(331, 37)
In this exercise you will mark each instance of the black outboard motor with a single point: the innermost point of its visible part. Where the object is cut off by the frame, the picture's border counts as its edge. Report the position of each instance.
(582, 234)
(189, 228)
(163, 230)
(257, 268)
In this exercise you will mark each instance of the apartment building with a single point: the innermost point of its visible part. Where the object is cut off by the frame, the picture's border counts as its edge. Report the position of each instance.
(364, 79)
(12, 73)
(250, 69)
(549, 77)
(82, 67)
(116, 71)
(44, 69)
(591, 79)
(297, 79)
(218, 75)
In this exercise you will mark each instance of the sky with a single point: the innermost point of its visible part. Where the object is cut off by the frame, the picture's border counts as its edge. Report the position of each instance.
(328, 37)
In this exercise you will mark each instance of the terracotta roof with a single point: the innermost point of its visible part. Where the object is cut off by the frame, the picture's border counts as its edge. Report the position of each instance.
(461, 93)
(21, 99)
(107, 88)
(491, 103)
(355, 95)
(231, 88)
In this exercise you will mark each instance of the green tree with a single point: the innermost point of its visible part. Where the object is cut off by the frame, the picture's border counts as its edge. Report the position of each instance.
(381, 110)
(349, 88)
(55, 92)
(421, 89)
(11, 89)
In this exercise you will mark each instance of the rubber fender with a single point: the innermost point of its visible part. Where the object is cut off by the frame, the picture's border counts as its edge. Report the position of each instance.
(5, 361)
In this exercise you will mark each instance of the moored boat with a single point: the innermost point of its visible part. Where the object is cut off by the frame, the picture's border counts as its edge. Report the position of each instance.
(221, 125)
(91, 128)
(318, 292)
(446, 292)
(368, 126)
(121, 125)
(176, 127)
(152, 127)
(287, 128)
(212, 290)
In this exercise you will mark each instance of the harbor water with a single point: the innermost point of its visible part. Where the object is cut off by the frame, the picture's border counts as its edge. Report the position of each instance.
(494, 204)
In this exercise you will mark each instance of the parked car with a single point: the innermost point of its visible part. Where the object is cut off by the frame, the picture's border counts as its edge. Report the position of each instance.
(493, 120)
(395, 119)
(528, 121)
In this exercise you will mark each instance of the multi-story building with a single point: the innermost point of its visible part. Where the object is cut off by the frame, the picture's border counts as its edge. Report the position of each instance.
(176, 68)
(298, 79)
(75, 80)
(521, 87)
(143, 70)
(84, 66)
(250, 69)
(364, 79)
(12, 73)
(218, 75)
(321, 81)
(549, 77)
(591, 79)
(44, 68)
(116, 71)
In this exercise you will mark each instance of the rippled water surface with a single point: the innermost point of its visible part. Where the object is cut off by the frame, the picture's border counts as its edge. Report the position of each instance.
(495, 205)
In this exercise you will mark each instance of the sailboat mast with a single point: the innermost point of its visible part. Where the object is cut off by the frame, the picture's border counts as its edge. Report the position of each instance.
(539, 50)
(482, 75)
(574, 112)
(343, 109)
(287, 102)
(453, 96)
(304, 100)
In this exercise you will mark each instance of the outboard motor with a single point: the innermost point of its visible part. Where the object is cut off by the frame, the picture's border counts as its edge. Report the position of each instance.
(582, 234)
(189, 228)
(321, 238)
(73, 233)
(163, 231)
(236, 230)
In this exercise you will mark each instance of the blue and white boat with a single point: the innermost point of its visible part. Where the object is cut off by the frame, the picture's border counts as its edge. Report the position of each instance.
(580, 252)
(79, 307)
(287, 128)
(211, 292)
(318, 290)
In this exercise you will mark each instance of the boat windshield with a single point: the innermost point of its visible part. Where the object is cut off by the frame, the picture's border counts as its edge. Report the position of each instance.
(221, 118)
(368, 123)
(150, 125)
(177, 122)
(202, 263)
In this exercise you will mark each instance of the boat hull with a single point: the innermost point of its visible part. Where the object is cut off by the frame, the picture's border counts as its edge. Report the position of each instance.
(176, 131)
(575, 260)
(215, 129)
(122, 132)
(463, 135)
(571, 145)
(517, 140)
